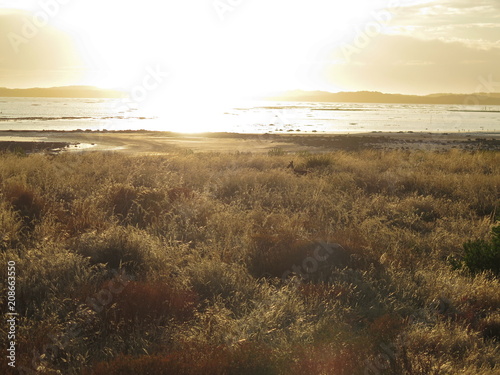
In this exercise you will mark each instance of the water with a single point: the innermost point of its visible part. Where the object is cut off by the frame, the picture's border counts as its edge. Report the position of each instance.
(244, 117)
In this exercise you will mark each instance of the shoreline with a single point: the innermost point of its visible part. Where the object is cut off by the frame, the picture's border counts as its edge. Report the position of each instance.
(157, 142)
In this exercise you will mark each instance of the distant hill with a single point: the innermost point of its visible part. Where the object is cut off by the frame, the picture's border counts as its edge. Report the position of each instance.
(62, 92)
(378, 97)
(295, 95)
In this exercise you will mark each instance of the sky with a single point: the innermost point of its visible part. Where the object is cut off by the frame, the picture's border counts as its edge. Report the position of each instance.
(239, 48)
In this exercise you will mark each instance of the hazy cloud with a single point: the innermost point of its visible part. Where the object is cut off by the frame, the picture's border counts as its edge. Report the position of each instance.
(407, 64)
(39, 53)
(470, 4)
(473, 23)
(427, 45)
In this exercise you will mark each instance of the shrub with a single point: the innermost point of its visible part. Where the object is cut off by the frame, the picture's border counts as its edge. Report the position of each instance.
(214, 279)
(440, 349)
(327, 360)
(127, 365)
(274, 254)
(26, 202)
(277, 151)
(252, 358)
(116, 247)
(32, 338)
(151, 302)
(245, 359)
(47, 274)
(121, 198)
(131, 204)
(10, 226)
(84, 215)
(318, 161)
(481, 255)
(490, 327)
(179, 193)
(385, 327)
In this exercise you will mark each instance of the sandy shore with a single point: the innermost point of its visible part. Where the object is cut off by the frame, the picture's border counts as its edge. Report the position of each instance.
(164, 142)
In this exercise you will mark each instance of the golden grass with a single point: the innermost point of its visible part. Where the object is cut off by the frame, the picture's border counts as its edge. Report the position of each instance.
(232, 266)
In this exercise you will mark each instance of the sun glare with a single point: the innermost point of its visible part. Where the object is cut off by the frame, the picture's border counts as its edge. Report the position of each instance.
(207, 61)
(254, 50)
(212, 62)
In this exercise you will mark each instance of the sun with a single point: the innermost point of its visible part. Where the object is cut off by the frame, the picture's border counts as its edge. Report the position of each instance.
(258, 48)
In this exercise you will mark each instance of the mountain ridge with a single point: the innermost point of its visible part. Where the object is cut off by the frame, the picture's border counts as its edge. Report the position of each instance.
(481, 98)
(379, 97)
(61, 92)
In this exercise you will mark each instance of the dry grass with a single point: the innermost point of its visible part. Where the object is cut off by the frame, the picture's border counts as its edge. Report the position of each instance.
(231, 264)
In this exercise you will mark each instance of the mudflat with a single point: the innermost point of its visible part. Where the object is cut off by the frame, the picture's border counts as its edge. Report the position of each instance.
(150, 142)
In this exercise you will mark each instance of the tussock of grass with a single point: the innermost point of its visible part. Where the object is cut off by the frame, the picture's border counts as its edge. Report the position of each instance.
(319, 161)
(150, 302)
(246, 359)
(116, 247)
(25, 201)
(232, 264)
(10, 226)
(46, 273)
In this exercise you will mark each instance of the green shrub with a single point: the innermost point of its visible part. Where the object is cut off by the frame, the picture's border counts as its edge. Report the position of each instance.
(481, 255)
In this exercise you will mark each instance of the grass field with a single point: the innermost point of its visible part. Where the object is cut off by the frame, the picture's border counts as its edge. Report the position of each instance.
(211, 263)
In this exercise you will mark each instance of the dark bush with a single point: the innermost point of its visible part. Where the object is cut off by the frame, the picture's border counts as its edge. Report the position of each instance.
(116, 247)
(481, 255)
(151, 302)
(318, 161)
(26, 202)
(276, 254)
(248, 358)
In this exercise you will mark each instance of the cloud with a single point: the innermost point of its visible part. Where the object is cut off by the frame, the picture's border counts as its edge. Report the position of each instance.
(25, 45)
(31, 52)
(386, 47)
(473, 23)
(460, 6)
(470, 4)
(406, 64)
(443, 12)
